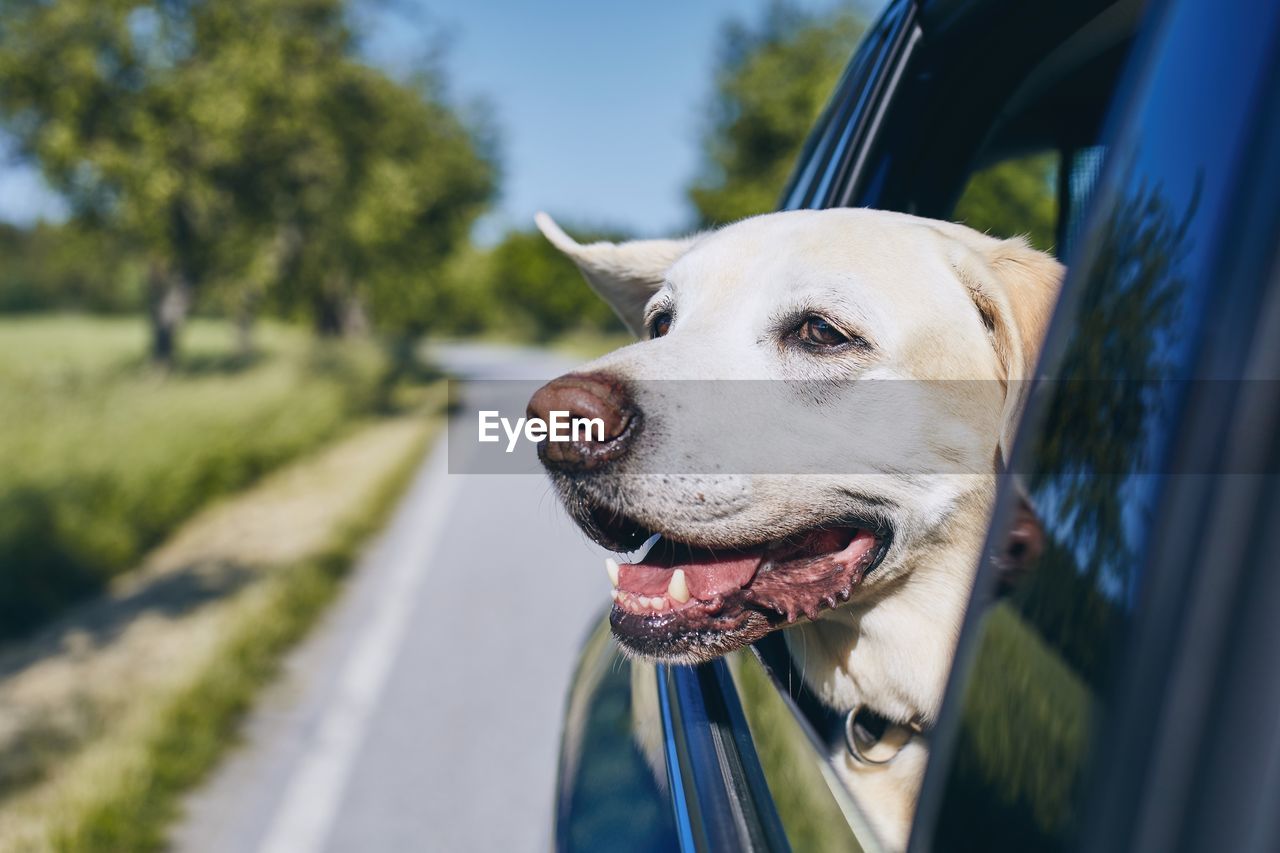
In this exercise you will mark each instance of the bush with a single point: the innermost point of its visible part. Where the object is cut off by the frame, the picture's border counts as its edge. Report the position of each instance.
(103, 458)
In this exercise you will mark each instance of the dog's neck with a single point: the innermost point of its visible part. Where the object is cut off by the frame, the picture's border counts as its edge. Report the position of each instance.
(891, 648)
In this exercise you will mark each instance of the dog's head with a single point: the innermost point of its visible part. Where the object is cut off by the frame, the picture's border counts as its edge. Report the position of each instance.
(811, 304)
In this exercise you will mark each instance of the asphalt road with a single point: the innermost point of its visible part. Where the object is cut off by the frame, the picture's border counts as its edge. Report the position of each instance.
(424, 712)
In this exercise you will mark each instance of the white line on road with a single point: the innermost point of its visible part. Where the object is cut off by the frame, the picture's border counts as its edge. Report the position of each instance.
(304, 819)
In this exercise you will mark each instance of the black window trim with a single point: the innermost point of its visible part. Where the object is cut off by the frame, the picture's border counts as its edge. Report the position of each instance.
(853, 114)
(719, 792)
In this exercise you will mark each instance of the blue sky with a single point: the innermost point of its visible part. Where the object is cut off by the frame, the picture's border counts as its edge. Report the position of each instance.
(599, 105)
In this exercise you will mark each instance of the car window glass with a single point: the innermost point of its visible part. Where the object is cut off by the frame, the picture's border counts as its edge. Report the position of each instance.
(612, 788)
(1068, 571)
(817, 813)
(1069, 558)
(1015, 196)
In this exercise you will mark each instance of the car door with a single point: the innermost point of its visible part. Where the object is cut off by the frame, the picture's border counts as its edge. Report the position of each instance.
(1111, 691)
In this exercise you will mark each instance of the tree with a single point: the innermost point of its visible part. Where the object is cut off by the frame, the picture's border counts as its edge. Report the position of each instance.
(242, 145)
(535, 279)
(1014, 197)
(407, 181)
(771, 84)
(120, 104)
(50, 267)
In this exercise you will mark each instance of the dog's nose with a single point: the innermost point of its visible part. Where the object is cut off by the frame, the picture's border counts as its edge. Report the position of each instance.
(606, 420)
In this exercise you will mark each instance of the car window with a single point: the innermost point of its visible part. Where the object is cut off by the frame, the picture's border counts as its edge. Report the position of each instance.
(1029, 195)
(1069, 566)
(816, 812)
(612, 776)
(1015, 196)
(1068, 572)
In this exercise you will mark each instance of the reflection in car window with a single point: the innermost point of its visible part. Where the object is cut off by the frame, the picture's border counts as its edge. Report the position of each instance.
(612, 786)
(1068, 578)
(1090, 473)
(815, 811)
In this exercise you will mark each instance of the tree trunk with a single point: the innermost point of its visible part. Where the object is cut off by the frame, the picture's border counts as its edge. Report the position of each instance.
(339, 312)
(246, 345)
(327, 312)
(168, 302)
(354, 319)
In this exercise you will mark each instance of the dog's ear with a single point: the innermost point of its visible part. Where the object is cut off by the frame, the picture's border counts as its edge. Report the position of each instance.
(1014, 288)
(624, 274)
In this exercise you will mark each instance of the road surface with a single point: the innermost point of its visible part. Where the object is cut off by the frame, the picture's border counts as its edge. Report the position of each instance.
(424, 711)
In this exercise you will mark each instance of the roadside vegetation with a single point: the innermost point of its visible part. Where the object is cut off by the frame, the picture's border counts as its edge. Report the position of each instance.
(114, 710)
(103, 458)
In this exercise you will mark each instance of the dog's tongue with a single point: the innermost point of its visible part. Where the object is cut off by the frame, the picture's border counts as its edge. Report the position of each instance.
(706, 574)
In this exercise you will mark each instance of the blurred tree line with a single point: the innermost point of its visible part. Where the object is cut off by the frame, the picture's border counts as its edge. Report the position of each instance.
(241, 158)
(244, 155)
(772, 80)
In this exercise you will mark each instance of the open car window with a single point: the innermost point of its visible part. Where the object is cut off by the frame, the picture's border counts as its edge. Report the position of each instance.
(1041, 195)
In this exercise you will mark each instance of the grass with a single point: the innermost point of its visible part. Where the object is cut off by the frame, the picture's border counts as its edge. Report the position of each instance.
(135, 794)
(104, 457)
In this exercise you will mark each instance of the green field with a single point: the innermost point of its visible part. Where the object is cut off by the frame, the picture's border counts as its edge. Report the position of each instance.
(102, 456)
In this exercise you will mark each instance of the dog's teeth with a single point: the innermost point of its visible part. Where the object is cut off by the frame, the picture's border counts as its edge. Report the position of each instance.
(611, 566)
(678, 589)
(657, 602)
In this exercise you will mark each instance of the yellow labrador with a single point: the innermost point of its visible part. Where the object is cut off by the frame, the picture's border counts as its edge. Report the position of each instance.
(869, 559)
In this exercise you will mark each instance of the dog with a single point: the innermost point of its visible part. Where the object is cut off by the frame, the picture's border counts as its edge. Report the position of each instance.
(869, 563)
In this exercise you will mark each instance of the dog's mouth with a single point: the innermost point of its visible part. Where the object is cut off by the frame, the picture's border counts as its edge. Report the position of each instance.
(688, 603)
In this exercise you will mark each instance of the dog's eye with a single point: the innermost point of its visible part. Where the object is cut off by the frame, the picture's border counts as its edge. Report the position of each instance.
(818, 331)
(660, 324)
